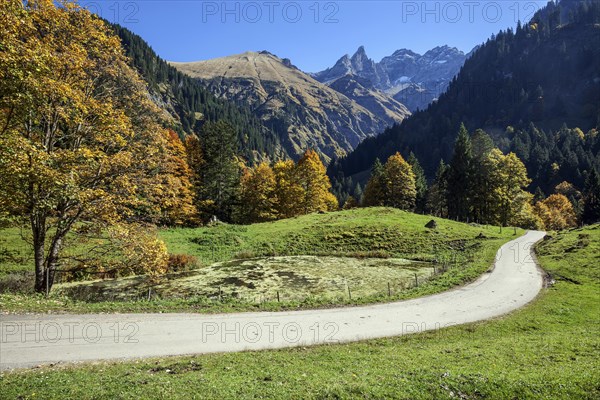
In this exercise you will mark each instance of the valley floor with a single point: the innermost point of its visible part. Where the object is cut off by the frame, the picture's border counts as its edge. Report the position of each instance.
(549, 349)
(514, 282)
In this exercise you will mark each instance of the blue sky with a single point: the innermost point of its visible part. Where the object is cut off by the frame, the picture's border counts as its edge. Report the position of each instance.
(313, 34)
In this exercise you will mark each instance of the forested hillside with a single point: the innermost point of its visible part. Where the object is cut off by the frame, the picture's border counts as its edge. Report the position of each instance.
(191, 105)
(535, 91)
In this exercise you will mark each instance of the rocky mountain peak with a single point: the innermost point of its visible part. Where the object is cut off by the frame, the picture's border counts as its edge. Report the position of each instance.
(410, 77)
(360, 55)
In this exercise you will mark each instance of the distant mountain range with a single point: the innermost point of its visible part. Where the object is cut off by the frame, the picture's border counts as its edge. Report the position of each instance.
(413, 79)
(305, 112)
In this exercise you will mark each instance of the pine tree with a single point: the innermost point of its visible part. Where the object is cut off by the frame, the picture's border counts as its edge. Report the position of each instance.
(358, 193)
(221, 174)
(591, 198)
(350, 203)
(374, 191)
(195, 160)
(459, 177)
(481, 144)
(420, 183)
(479, 192)
(436, 198)
(538, 195)
(399, 183)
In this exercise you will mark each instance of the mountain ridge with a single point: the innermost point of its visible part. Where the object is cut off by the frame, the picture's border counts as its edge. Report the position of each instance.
(309, 113)
(409, 77)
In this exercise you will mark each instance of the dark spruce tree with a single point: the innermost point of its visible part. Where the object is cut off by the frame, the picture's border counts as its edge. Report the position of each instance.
(438, 192)
(591, 198)
(374, 194)
(220, 175)
(481, 144)
(420, 183)
(459, 177)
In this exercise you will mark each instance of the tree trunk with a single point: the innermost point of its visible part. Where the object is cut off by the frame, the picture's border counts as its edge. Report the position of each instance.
(38, 227)
(52, 261)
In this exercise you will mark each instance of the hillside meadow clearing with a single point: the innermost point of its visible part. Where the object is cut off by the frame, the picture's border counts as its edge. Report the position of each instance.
(350, 257)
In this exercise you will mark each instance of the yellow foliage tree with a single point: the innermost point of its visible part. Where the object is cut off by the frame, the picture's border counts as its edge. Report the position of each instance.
(80, 141)
(172, 190)
(399, 183)
(287, 189)
(507, 182)
(556, 212)
(313, 179)
(258, 200)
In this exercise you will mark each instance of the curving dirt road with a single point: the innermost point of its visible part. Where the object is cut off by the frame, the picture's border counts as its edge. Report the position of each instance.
(41, 339)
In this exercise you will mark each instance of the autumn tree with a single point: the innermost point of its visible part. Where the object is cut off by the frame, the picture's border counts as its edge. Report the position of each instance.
(312, 178)
(399, 183)
(525, 215)
(81, 145)
(556, 212)
(172, 190)
(287, 189)
(257, 194)
(373, 195)
(568, 190)
(507, 182)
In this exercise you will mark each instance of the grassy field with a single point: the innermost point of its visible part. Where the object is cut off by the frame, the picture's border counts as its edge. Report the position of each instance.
(267, 279)
(549, 349)
(243, 267)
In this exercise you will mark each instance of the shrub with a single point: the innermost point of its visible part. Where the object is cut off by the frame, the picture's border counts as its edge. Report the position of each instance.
(17, 282)
(245, 254)
(182, 262)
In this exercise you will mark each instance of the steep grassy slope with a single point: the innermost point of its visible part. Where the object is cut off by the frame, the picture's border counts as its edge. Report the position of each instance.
(550, 349)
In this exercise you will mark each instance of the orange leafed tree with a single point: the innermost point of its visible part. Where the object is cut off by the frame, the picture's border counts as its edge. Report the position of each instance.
(556, 212)
(81, 145)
